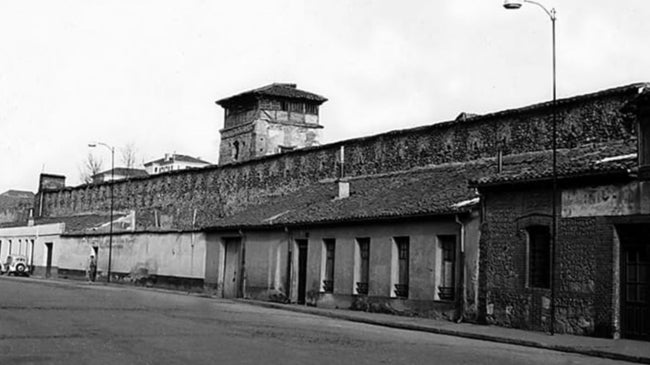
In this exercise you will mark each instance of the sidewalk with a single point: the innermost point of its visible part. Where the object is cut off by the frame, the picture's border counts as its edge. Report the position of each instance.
(626, 350)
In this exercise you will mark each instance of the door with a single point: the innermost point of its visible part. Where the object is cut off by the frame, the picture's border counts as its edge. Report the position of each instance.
(635, 281)
(302, 270)
(232, 261)
(48, 259)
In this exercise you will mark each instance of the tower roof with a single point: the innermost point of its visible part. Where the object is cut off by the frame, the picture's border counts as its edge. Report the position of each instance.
(288, 91)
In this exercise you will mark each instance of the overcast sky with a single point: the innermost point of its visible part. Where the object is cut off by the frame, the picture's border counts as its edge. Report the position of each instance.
(148, 72)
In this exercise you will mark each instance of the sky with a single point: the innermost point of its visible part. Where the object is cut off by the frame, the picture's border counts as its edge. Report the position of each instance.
(147, 73)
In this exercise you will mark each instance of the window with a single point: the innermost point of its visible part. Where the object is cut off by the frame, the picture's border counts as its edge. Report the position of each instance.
(235, 150)
(447, 287)
(539, 257)
(328, 281)
(402, 285)
(311, 109)
(283, 149)
(297, 107)
(293, 107)
(363, 246)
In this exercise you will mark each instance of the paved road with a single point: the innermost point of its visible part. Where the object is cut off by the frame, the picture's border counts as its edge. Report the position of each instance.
(72, 323)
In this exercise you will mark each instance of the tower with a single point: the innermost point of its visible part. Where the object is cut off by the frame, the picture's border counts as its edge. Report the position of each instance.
(271, 119)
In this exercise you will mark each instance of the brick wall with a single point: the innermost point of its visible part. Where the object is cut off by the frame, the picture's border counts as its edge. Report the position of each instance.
(584, 274)
(170, 200)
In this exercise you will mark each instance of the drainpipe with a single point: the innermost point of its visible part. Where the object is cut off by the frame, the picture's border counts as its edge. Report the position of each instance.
(289, 263)
(242, 269)
(461, 279)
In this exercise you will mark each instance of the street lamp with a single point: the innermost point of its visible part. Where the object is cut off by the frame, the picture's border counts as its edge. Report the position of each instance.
(515, 4)
(110, 228)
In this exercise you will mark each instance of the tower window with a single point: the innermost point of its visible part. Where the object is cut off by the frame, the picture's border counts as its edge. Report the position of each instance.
(311, 109)
(235, 150)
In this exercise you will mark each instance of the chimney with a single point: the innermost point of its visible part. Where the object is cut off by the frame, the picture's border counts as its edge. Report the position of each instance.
(30, 220)
(344, 189)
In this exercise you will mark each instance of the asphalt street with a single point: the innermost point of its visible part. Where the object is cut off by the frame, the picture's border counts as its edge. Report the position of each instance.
(52, 322)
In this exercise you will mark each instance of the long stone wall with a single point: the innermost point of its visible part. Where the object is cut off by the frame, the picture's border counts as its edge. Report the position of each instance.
(195, 198)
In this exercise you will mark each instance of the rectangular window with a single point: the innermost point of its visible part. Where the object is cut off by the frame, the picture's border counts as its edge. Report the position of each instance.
(297, 107)
(364, 265)
(539, 257)
(402, 285)
(447, 287)
(328, 282)
(311, 109)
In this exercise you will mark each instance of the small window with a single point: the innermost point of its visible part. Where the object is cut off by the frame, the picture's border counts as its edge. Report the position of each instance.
(328, 282)
(283, 149)
(235, 150)
(402, 285)
(539, 257)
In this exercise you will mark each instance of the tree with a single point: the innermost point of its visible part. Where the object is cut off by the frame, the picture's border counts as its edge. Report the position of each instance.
(89, 167)
(129, 155)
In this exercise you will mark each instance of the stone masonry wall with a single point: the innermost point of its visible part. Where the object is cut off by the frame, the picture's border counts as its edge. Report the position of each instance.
(195, 198)
(583, 275)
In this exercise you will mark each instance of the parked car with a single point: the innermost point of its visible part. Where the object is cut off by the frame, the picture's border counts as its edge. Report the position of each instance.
(17, 265)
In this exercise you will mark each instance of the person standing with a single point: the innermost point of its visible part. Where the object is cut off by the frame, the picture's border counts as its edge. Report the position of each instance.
(91, 271)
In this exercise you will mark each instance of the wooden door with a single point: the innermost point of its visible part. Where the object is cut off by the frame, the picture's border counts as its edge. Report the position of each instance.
(232, 263)
(635, 283)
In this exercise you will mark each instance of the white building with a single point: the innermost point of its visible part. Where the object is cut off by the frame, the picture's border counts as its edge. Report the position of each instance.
(172, 162)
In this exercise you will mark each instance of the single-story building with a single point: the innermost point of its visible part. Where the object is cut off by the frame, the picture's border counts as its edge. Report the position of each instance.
(403, 242)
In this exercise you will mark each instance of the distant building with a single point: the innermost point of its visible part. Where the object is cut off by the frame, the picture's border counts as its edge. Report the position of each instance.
(272, 119)
(173, 162)
(118, 174)
(15, 204)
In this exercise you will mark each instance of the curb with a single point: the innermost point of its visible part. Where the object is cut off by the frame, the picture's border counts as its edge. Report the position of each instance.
(448, 332)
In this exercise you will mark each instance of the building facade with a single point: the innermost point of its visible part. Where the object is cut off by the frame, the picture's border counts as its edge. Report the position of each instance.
(595, 280)
(173, 162)
(385, 222)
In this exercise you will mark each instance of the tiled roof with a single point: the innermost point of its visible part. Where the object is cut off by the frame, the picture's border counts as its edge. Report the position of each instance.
(278, 90)
(124, 171)
(583, 161)
(434, 190)
(72, 223)
(177, 157)
(438, 190)
(20, 194)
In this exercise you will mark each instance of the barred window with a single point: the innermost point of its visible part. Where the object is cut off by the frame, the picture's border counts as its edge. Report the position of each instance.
(364, 267)
(328, 282)
(539, 257)
(402, 285)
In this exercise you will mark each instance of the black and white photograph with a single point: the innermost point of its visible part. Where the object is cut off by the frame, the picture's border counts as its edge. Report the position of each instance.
(324, 182)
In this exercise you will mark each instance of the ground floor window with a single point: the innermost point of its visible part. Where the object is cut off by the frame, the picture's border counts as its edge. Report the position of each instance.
(447, 251)
(363, 266)
(539, 257)
(328, 281)
(402, 284)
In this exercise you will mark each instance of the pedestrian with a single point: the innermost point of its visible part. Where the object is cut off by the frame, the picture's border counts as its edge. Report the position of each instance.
(91, 271)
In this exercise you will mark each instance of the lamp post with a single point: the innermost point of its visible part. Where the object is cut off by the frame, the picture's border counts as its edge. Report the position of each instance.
(515, 4)
(110, 227)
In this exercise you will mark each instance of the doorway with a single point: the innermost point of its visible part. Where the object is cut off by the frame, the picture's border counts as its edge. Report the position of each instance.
(231, 264)
(302, 270)
(48, 259)
(635, 281)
